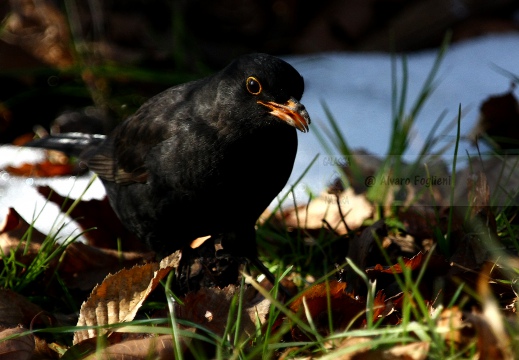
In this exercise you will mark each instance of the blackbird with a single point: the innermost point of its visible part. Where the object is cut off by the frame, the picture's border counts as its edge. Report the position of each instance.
(201, 158)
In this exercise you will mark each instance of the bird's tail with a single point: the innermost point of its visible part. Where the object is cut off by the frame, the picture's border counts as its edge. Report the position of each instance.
(72, 144)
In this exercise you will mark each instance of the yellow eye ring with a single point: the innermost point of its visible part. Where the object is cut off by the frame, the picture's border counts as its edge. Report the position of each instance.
(253, 85)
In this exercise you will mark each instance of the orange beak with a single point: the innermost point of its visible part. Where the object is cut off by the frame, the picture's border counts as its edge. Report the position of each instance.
(292, 112)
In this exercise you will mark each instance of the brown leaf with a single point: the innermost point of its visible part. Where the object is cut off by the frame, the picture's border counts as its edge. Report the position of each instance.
(14, 228)
(209, 307)
(450, 326)
(16, 309)
(45, 168)
(19, 348)
(157, 347)
(97, 216)
(336, 210)
(11, 221)
(360, 348)
(414, 351)
(39, 28)
(361, 351)
(84, 266)
(489, 346)
(436, 263)
(118, 298)
(344, 307)
(379, 305)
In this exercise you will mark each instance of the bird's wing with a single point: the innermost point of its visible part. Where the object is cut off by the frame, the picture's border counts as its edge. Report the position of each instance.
(122, 157)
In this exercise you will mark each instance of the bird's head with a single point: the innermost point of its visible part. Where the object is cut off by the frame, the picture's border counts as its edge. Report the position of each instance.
(266, 87)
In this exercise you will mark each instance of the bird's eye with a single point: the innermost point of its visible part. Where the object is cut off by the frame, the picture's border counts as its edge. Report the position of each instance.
(253, 85)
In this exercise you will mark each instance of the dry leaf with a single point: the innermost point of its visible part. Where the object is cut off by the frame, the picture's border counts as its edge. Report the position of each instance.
(19, 348)
(436, 263)
(344, 307)
(360, 352)
(42, 169)
(39, 28)
(12, 231)
(346, 207)
(158, 347)
(16, 309)
(84, 266)
(359, 348)
(118, 298)
(209, 307)
(450, 324)
(97, 216)
(413, 351)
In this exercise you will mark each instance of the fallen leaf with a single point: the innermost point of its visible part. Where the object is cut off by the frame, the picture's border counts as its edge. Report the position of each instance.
(210, 308)
(20, 347)
(16, 309)
(436, 263)
(118, 298)
(344, 307)
(450, 325)
(45, 168)
(156, 347)
(12, 238)
(39, 28)
(105, 230)
(84, 266)
(336, 210)
(414, 351)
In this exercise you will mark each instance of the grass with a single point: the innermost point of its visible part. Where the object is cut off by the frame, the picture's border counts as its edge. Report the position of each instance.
(18, 276)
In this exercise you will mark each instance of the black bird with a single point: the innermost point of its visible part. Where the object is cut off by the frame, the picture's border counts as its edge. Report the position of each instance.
(206, 156)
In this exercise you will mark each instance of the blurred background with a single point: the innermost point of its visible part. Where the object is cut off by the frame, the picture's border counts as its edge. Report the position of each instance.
(85, 65)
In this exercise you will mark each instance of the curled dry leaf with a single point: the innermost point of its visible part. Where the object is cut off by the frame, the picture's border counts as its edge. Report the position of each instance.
(209, 307)
(118, 298)
(336, 210)
(19, 348)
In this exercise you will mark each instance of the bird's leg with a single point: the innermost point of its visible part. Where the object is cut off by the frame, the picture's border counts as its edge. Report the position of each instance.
(242, 244)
